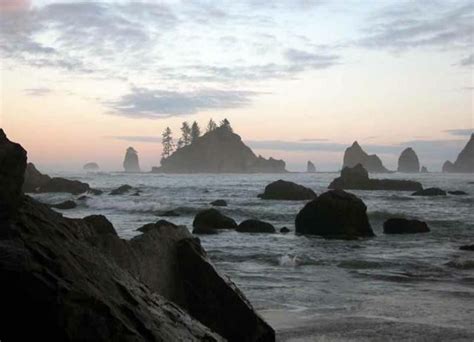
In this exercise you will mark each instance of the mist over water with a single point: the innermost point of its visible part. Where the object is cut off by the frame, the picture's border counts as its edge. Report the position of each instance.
(422, 282)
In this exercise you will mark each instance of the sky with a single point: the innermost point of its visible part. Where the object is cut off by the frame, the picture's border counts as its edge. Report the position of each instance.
(300, 80)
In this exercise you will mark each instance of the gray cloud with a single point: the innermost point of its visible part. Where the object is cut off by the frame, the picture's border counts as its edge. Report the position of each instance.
(460, 132)
(37, 91)
(142, 102)
(467, 61)
(302, 59)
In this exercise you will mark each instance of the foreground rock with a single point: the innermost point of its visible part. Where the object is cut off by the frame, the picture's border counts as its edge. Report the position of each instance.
(334, 214)
(289, 191)
(75, 279)
(404, 226)
(465, 160)
(356, 155)
(64, 205)
(408, 161)
(219, 203)
(357, 178)
(430, 192)
(255, 226)
(218, 151)
(209, 221)
(130, 162)
(91, 166)
(121, 190)
(310, 168)
(284, 230)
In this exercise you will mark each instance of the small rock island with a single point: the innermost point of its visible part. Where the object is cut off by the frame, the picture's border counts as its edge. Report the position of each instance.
(356, 155)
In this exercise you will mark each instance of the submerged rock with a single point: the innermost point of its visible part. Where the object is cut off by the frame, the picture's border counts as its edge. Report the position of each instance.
(64, 205)
(356, 155)
(219, 203)
(170, 213)
(465, 160)
(210, 220)
(130, 162)
(430, 192)
(357, 178)
(310, 168)
(457, 193)
(121, 190)
(467, 248)
(408, 161)
(255, 226)
(334, 214)
(404, 226)
(289, 191)
(91, 166)
(284, 230)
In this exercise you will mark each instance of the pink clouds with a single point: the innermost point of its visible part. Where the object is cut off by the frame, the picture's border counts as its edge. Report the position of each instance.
(15, 5)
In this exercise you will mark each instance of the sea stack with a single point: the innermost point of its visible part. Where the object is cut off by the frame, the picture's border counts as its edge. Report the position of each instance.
(130, 163)
(91, 166)
(356, 155)
(465, 160)
(310, 168)
(408, 161)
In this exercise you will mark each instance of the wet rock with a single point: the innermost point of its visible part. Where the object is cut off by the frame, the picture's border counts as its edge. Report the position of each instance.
(219, 203)
(334, 214)
(310, 168)
(404, 226)
(255, 226)
(149, 227)
(100, 225)
(408, 161)
(430, 192)
(284, 230)
(83, 198)
(96, 192)
(357, 178)
(64, 205)
(130, 162)
(170, 213)
(356, 155)
(64, 185)
(210, 220)
(121, 190)
(91, 166)
(284, 190)
(467, 248)
(457, 193)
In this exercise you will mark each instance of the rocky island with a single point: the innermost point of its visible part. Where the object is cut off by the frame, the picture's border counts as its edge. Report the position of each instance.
(408, 161)
(464, 162)
(356, 155)
(130, 162)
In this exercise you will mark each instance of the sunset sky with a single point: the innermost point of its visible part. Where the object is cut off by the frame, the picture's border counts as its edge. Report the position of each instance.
(298, 79)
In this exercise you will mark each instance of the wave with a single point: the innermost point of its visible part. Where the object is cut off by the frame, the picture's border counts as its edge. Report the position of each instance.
(384, 215)
(461, 263)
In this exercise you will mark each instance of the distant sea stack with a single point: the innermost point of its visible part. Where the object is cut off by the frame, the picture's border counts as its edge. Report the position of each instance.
(408, 161)
(130, 163)
(91, 167)
(356, 155)
(218, 151)
(465, 160)
(310, 168)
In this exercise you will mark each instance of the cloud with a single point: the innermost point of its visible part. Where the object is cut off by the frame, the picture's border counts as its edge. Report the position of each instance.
(150, 103)
(467, 61)
(37, 91)
(14, 5)
(302, 59)
(460, 132)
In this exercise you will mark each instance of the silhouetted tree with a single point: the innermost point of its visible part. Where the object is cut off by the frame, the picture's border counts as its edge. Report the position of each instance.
(179, 144)
(167, 141)
(195, 131)
(186, 134)
(226, 124)
(211, 126)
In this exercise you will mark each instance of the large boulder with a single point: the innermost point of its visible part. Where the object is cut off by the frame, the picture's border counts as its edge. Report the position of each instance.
(289, 191)
(334, 214)
(310, 168)
(465, 160)
(408, 161)
(121, 190)
(430, 192)
(130, 162)
(357, 178)
(255, 226)
(404, 226)
(356, 155)
(12, 166)
(210, 220)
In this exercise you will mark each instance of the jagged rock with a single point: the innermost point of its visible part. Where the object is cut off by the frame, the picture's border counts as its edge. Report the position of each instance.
(467, 248)
(310, 168)
(404, 226)
(121, 190)
(218, 151)
(219, 203)
(357, 178)
(356, 155)
(284, 190)
(284, 230)
(12, 166)
(408, 161)
(130, 162)
(457, 193)
(210, 220)
(334, 214)
(91, 166)
(34, 179)
(65, 205)
(430, 192)
(255, 226)
(100, 225)
(424, 169)
(465, 160)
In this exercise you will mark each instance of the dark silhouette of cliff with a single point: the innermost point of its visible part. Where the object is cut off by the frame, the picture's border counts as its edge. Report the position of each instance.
(130, 163)
(464, 161)
(408, 161)
(356, 155)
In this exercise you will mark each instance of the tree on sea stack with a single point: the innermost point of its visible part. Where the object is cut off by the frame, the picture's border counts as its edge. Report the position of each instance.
(186, 134)
(167, 141)
(195, 131)
(226, 124)
(211, 126)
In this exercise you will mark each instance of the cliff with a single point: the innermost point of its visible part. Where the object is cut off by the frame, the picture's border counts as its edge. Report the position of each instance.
(356, 155)
(408, 161)
(465, 160)
(218, 151)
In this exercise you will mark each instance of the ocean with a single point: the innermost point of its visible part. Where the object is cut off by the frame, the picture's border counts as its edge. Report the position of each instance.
(390, 287)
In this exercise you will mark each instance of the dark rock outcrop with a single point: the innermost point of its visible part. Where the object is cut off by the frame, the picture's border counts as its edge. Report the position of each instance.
(218, 151)
(310, 168)
(404, 226)
(121, 190)
(64, 205)
(334, 214)
(465, 161)
(209, 221)
(430, 192)
(357, 178)
(408, 161)
(255, 226)
(356, 155)
(289, 191)
(467, 248)
(34, 179)
(457, 193)
(219, 203)
(424, 169)
(91, 166)
(284, 230)
(169, 213)
(130, 162)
